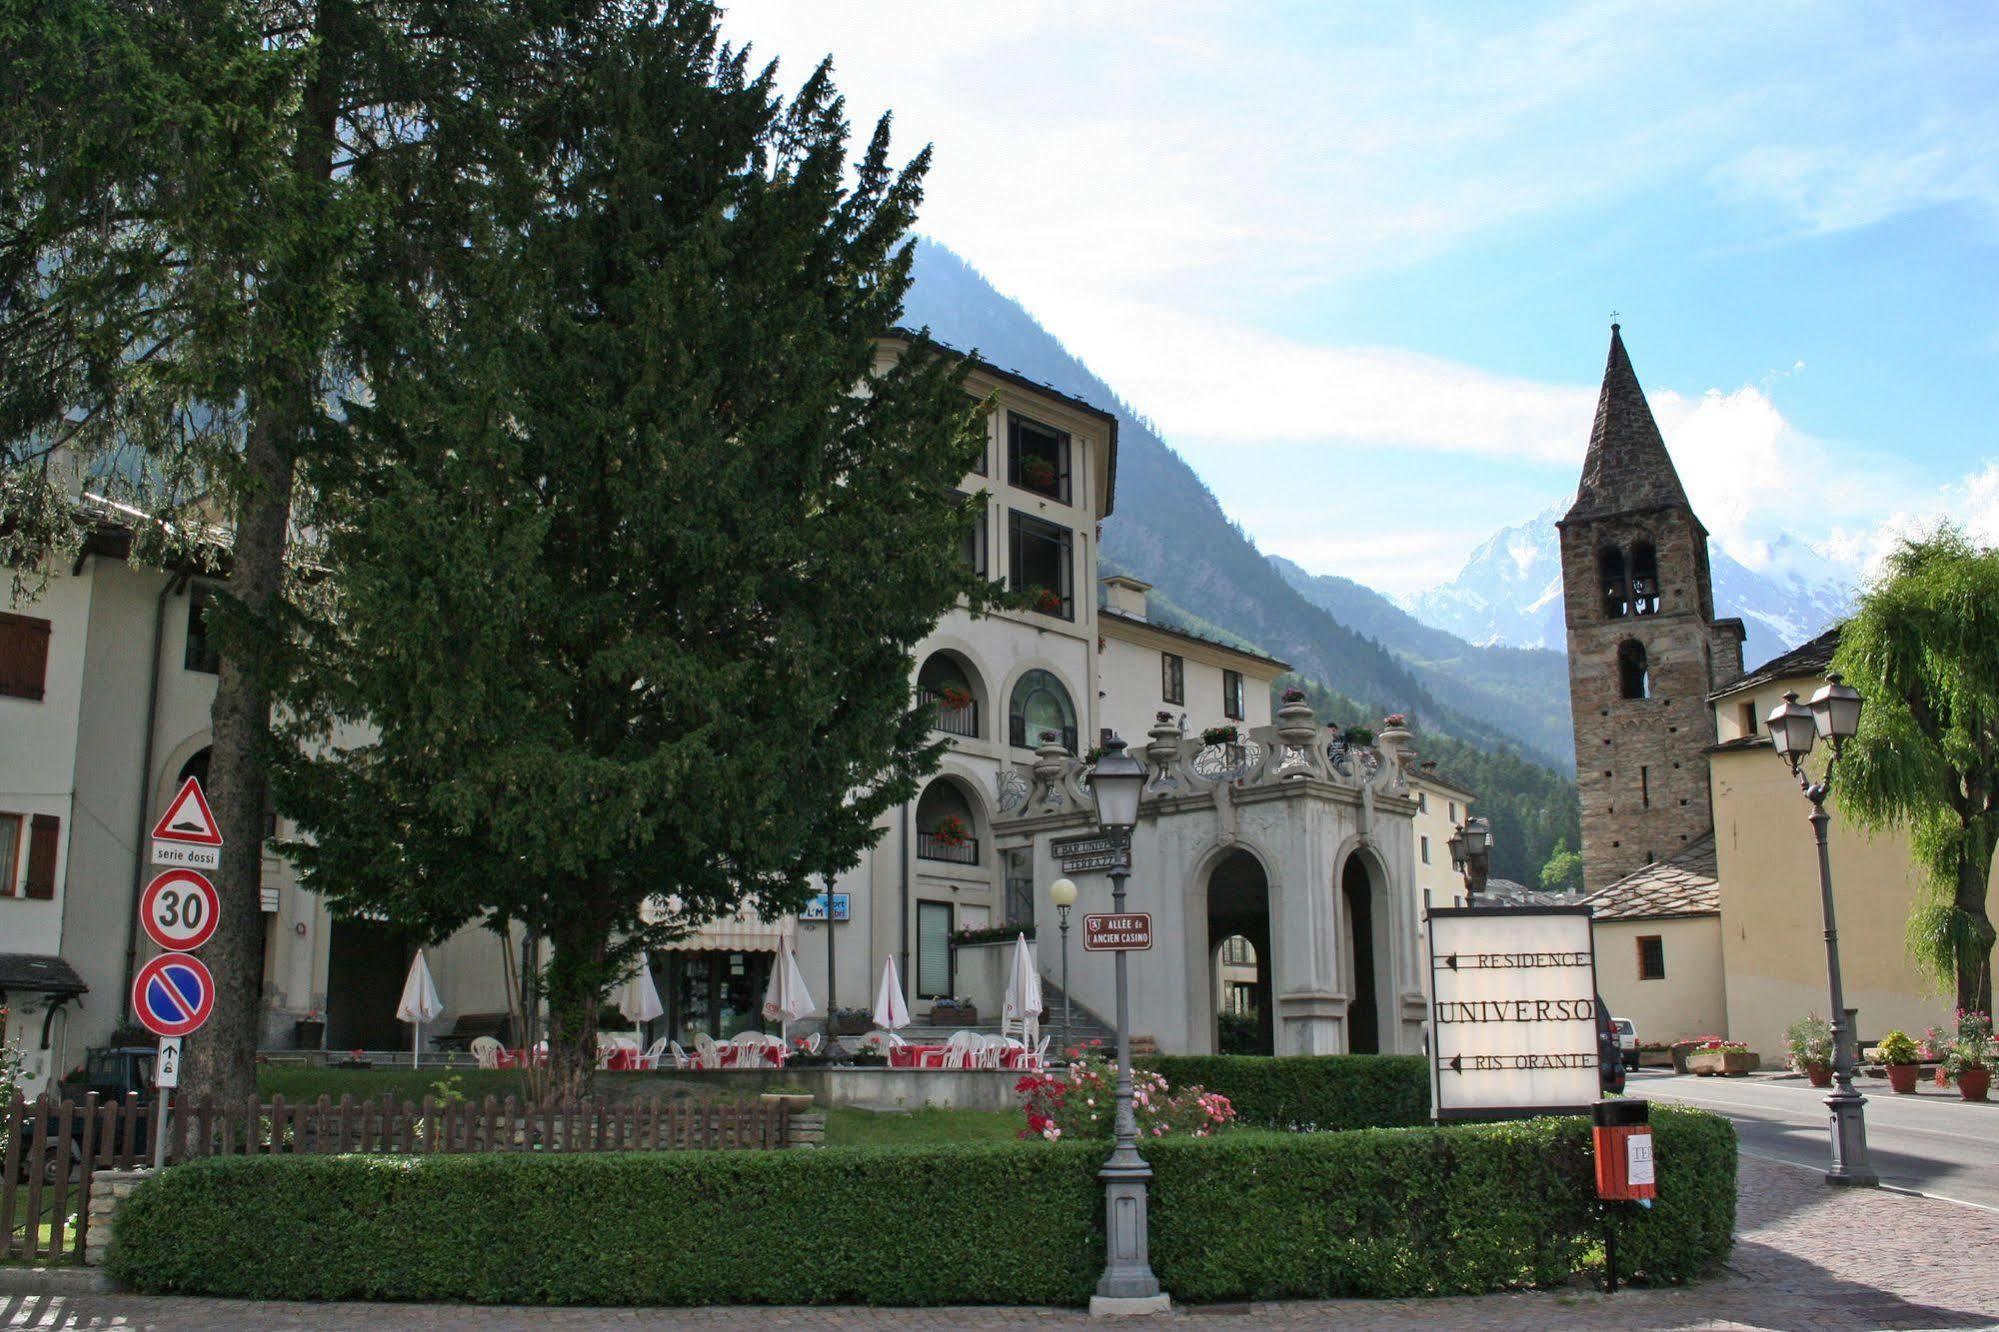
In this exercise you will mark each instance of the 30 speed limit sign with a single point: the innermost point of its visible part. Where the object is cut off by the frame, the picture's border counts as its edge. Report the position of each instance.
(179, 909)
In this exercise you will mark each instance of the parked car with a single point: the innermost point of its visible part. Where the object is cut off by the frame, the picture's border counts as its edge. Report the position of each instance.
(1627, 1040)
(111, 1072)
(1609, 1051)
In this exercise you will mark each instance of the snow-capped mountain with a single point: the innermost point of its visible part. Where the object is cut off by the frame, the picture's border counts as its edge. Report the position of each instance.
(1510, 592)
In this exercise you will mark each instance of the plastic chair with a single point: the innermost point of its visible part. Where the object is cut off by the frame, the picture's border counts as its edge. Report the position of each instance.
(707, 1054)
(650, 1059)
(486, 1051)
(1039, 1059)
(961, 1050)
(681, 1059)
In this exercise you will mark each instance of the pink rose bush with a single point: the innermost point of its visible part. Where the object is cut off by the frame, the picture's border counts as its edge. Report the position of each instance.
(1081, 1102)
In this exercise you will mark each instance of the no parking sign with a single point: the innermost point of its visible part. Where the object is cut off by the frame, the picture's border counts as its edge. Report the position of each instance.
(173, 994)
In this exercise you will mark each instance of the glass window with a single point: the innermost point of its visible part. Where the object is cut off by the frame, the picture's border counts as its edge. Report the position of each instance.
(1651, 957)
(1172, 677)
(201, 654)
(1041, 705)
(1426, 850)
(1038, 458)
(1042, 557)
(973, 549)
(10, 853)
(1232, 695)
(933, 950)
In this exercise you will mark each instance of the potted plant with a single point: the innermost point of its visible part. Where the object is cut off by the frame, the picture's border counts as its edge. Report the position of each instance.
(1037, 473)
(1044, 599)
(1395, 721)
(951, 831)
(1972, 1055)
(355, 1059)
(1359, 737)
(852, 1022)
(1220, 735)
(1293, 694)
(1717, 1056)
(1898, 1052)
(953, 698)
(1808, 1042)
(954, 1012)
(309, 1032)
(789, 1095)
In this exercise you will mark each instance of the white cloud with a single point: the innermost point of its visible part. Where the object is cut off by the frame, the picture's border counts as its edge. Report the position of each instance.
(1390, 562)
(1971, 502)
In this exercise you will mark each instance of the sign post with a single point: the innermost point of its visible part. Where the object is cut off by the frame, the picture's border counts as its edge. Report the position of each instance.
(173, 993)
(1513, 1012)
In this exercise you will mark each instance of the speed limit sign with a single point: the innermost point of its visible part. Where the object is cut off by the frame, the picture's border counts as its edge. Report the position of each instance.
(179, 909)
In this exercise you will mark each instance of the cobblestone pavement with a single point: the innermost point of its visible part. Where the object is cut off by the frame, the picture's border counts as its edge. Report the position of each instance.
(1807, 1257)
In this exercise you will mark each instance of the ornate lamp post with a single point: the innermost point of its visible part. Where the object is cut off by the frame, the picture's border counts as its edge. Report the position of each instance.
(1834, 714)
(1471, 854)
(1062, 893)
(1128, 1285)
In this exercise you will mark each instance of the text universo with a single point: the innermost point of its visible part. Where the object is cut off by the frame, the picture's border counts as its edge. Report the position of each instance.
(1517, 1010)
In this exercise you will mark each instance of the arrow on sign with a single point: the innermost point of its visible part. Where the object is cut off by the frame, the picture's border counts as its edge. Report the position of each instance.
(1451, 961)
(1457, 1063)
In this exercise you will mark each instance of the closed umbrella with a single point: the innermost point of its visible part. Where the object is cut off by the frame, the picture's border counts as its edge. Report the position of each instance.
(1023, 989)
(891, 1011)
(638, 999)
(786, 1000)
(420, 1003)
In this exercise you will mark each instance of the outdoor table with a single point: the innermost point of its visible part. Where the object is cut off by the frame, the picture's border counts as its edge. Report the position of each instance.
(932, 1056)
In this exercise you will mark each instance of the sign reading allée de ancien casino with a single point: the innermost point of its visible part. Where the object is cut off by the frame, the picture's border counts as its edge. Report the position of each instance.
(1512, 1010)
(1130, 932)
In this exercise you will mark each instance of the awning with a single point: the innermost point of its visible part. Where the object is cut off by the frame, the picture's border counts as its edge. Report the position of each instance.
(743, 932)
(38, 973)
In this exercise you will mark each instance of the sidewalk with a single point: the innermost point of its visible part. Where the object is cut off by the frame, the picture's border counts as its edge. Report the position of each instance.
(1807, 1257)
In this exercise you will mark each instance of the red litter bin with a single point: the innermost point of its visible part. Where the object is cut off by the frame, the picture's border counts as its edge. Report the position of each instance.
(1622, 1136)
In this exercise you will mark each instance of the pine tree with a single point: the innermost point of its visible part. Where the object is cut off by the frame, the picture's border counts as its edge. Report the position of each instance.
(628, 591)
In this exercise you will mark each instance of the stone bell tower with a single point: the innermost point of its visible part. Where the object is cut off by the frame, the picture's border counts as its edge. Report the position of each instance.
(1645, 649)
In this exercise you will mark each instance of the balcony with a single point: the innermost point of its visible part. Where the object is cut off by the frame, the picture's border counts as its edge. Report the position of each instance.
(952, 721)
(961, 851)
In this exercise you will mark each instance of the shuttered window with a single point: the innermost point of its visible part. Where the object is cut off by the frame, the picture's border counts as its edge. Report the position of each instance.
(24, 656)
(43, 841)
(10, 853)
(933, 950)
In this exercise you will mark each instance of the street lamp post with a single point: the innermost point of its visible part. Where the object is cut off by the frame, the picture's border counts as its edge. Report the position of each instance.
(1834, 714)
(1063, 893)
(1127, 1285)
(1471, 854)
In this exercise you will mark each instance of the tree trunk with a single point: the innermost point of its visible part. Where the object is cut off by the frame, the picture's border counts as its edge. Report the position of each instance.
(1974, 967)
(574, 996)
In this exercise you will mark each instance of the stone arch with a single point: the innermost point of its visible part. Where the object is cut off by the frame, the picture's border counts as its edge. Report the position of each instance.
(953, 795)
(1643, 568)
(1366, 948)
(1634, 670)
(167, 778)
(1238, 893)
(947, 670)
(1612, 578)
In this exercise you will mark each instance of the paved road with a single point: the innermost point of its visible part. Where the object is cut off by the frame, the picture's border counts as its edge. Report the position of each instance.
(1932, 1142)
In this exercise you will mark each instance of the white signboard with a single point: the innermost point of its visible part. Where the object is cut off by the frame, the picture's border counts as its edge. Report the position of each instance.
(1513, 1027)
(166, 1068)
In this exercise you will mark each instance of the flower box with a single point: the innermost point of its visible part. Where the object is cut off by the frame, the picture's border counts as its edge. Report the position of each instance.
(954, 1015)
(1722, 1063)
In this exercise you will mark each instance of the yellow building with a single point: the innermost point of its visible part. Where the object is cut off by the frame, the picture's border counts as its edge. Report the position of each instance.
(1767, 872)
(1659, 949)
(1442, 806)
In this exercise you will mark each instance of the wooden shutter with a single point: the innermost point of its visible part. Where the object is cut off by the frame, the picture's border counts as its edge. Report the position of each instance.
(24, 656)
(43, 842)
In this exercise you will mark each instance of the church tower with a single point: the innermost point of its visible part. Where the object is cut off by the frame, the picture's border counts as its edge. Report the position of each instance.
(1645, 649)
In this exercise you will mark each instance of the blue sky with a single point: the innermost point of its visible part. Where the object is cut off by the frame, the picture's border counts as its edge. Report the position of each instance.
(1359, 262)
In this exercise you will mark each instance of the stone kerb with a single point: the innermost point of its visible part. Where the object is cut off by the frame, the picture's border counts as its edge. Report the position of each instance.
(108, 1191)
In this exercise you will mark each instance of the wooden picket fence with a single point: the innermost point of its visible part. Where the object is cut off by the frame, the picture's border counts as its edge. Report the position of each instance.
(54, 1147)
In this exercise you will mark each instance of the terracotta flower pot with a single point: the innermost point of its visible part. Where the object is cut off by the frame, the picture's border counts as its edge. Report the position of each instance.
(1902, 1078)
(1974, 1083)
(1820, 1074)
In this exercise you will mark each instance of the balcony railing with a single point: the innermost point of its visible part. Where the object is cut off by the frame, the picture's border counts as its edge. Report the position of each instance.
(953, 721)
(962, 851)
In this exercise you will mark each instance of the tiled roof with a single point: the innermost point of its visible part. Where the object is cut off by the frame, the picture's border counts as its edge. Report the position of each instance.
(1684, 885)
(1627, 468)
(1811, 659)
(1107, 612)
(38, 973)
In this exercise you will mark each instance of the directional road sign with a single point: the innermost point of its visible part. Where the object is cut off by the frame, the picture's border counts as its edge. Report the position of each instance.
(173, 994)
(1127, 933)
(179, 910)
(166, 1068)
(187, 833)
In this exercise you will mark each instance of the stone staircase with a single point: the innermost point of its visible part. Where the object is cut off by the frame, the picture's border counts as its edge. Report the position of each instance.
(1085, 1025)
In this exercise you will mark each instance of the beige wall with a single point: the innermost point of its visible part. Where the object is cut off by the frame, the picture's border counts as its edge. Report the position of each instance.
(1132, 681)
(1771, 918)
(1439, 811)
(1691, 1000)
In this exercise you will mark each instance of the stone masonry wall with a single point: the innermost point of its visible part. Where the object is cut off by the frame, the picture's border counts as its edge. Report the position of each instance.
(108, 1191)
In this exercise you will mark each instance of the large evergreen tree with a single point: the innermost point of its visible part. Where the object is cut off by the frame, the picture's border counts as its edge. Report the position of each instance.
(629, 587)
(1923, 649)
(201, 203)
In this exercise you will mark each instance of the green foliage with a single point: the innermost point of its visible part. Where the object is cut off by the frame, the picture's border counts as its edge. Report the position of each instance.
(630, 587)
(1308, 1091)
(1897, 1047)
(1253, 1215)
(1923, 649)
(1808, 1041)
(1564, 871)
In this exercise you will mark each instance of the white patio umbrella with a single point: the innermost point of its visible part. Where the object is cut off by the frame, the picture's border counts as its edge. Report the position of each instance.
(638, 999)
(786, 1000)
(1023, 989)
(891, 1010)
(420, 1003)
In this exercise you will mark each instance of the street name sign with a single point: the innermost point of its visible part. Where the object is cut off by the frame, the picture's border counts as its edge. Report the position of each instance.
(1080, 855)
(1513, 1020)
(1127, 933)
(173, 994)
(186, 834)
(179, 910)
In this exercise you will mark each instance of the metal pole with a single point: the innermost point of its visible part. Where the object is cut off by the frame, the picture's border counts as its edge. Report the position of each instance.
(830, 1005)
(1064, 913)
(1128, 1284)
(1850, 1163)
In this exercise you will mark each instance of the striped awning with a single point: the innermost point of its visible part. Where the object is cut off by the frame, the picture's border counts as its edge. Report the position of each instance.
(743, 932)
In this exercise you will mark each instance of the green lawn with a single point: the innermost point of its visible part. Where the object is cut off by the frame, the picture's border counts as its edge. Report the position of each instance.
(308, 1084)
(848, 1127)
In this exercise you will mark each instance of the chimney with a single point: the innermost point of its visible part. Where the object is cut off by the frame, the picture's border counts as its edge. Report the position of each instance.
(1126, 595)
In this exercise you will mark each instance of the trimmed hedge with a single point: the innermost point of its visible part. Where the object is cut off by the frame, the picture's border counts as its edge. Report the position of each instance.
(1250, 1215)
(1322, 1092)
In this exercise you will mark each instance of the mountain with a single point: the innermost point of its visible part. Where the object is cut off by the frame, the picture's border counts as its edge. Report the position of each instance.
(1509, 592)
(1169, 530)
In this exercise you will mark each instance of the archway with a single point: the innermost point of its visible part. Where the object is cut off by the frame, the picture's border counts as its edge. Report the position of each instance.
(1359, 953)
(1239, 952)
(949, 681)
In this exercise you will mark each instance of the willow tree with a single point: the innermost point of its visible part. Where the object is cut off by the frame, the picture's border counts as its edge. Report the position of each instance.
(1923, 648)
(629, 587)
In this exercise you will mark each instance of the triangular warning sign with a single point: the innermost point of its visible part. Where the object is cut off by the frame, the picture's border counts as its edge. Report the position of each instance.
(188, 818)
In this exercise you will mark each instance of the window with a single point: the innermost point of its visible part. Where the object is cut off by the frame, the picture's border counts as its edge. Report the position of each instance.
(1454, 812)
(1651, 957)
(1634, 678)
(1610, 577)
(1041, 558)
(24, 656)
(1422, 802)
(1745, 719)
(1017, 867)
(201, 654)
(933, 950)
(10, 853)
(1037, 458)
(1425, 849)
(1644, 579)
(1040, 705)
(1232, 695)
(43, 834)
(1172, 678)
(973, 549)
(1645, 787)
